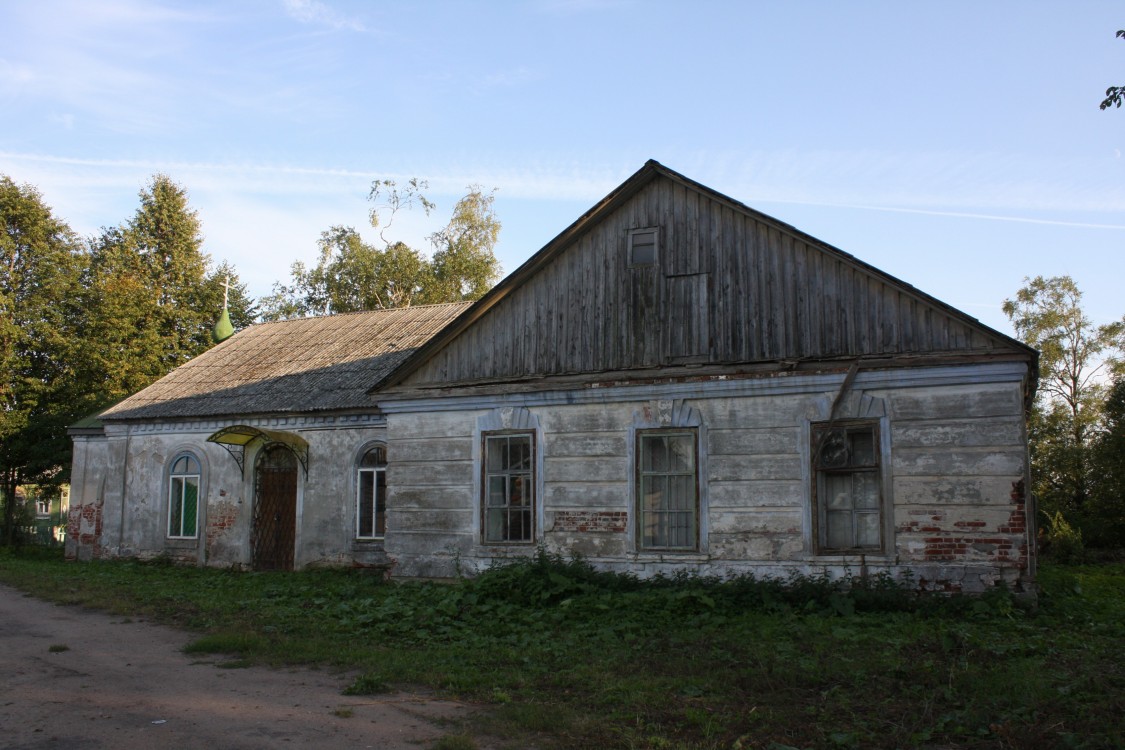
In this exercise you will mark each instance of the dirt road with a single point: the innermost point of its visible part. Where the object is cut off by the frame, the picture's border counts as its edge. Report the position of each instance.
(126, 685)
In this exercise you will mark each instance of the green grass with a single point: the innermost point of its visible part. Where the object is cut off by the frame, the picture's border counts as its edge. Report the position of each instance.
(565, 657)
(367, 683)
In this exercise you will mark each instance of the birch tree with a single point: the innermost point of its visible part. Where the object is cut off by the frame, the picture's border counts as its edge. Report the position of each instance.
(352, 274)
(1076, 357)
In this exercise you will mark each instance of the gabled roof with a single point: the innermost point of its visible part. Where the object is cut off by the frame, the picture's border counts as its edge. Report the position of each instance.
(301, 365)
(619, 198)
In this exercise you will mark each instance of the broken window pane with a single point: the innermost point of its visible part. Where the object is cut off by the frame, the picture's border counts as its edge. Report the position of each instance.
(509, 493)
(848, 497)
(667, 486)
(867, 529)
(839, 529)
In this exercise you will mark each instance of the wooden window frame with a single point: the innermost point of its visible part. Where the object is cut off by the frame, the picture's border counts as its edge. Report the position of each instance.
(527, 511)
(822, 468)
(633, 245)
(182, 478)
(641, 473)
(378, 474)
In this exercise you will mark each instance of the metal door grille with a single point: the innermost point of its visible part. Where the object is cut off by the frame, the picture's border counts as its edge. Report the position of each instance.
(275, 509)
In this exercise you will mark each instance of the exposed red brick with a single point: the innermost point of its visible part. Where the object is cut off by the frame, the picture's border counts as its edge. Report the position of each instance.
(591, 521)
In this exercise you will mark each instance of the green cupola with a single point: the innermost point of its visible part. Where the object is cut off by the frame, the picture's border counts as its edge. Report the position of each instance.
(223, 329)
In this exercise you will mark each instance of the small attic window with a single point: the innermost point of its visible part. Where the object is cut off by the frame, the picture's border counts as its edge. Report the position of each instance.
(642, 246)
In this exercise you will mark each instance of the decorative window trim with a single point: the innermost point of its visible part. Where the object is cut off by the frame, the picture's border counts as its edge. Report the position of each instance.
(643, 247)
(375, 471)
(669, 416)
(192, 470)
(825, 469)
(854, 408)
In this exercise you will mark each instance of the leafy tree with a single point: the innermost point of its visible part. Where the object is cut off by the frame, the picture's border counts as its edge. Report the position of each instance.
(40, 266)
(352, 275)
(1114, 94)
(389, 199)
(464, 265)
(1108, 494)
(151, 297)
(81, 329)
(1074, 354)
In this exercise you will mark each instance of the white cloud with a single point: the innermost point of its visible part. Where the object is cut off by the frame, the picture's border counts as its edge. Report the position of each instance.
(14, 74)
(66, 121)
(130, 13)
(973, 187)
(982, 184)
(573, 7)
(514, 77)
(959, 215)
(315, 12)
(105, 62)
(262, 217)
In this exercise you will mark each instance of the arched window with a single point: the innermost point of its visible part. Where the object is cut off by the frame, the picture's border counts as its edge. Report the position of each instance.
(183, 497)
(371, 495)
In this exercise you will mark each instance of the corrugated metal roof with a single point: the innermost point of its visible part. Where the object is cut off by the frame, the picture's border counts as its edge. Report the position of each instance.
(301, 365)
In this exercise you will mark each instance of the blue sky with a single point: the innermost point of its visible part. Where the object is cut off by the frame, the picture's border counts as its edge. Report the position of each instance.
(955, 145)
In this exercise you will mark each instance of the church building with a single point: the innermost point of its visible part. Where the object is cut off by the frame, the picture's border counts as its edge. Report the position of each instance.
(675, 382)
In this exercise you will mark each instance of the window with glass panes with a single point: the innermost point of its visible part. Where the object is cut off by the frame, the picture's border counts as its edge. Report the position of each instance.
(667, 490)
(643, 246)
(183, 498)
(848, 493)
(371, 495)
(509, 488)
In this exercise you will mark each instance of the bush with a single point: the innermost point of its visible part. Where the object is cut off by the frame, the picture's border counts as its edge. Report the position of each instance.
(1064, 542)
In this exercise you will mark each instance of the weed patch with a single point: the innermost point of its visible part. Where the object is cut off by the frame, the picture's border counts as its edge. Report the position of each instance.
(566, 656)
(455, 742)
(228, 643)
(367, 684)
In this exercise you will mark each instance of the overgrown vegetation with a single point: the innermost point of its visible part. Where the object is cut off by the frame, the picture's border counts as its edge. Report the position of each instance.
(567, 656)
(86, 322)
(1076, 429)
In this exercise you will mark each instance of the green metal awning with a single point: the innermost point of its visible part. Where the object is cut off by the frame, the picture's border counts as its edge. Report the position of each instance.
(237, 437)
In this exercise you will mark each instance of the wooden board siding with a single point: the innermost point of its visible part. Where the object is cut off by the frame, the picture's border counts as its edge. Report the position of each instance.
(729, 286)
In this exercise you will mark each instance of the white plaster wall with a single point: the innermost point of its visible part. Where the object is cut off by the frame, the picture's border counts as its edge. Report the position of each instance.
(953, 452)
(954, 443)
(133, 493)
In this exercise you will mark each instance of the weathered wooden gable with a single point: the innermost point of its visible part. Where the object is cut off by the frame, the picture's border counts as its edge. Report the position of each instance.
(730, 286)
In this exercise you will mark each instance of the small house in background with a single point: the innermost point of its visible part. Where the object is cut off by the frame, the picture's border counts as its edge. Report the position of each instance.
(675, 382)
(42, 513)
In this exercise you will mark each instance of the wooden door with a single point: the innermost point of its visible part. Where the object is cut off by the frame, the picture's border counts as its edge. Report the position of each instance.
(275, 509)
